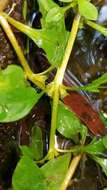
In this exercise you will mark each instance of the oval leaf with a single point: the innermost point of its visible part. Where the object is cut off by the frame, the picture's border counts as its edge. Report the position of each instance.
(17, 97)
(36, 143)
(67, 123)
(55, 170)
(88, 10)
(28, 176)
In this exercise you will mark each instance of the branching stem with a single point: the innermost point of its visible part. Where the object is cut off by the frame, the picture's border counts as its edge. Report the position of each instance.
(38, 79)
(59, 80)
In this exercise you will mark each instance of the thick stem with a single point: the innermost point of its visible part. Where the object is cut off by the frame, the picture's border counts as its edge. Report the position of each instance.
(33, 77)
(71, 171)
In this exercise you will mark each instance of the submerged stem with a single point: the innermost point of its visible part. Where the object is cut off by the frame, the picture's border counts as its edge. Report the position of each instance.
(74, 163)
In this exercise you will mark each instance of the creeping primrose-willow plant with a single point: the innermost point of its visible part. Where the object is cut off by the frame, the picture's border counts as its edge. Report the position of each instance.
(17, 97)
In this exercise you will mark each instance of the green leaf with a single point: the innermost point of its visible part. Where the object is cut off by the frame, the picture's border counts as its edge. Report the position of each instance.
(35, 149)
(28, 176)
(55, 170)
(44, 7)
(36, 142)
(17, 97)
(67, 122)
(105, 189)
(27, 151)
(93, 87)
(88, 10)
(96, 147)
(53, 24)
(50, 12)
(54, 15)
(102, 162)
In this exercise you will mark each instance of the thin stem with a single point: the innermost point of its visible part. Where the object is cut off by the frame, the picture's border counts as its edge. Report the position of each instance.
(22, 27)
(97, 27)
(75, 149)
(59, 79)
(33, 77)
(15, 44)
(74, 163)
(54, 118)
(73, 34)
(47, 70)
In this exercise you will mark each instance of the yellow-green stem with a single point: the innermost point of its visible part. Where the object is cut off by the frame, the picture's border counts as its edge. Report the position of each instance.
(73, 34)
(97, 27)
(24, 9)
(54, 118)
(15, 44)
(59, 79)
(74, 163)
(33, 77)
